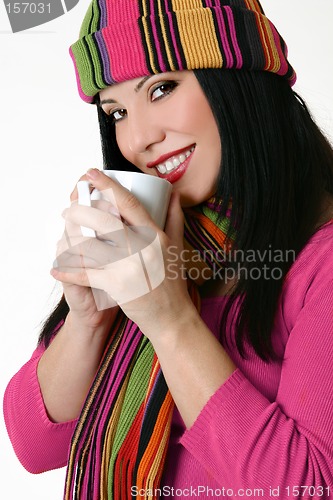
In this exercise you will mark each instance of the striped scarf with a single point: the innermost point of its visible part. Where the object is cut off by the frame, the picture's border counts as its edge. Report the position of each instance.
(120, 442)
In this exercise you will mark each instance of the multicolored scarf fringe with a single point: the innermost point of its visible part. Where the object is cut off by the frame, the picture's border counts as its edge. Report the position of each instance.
(121, 439)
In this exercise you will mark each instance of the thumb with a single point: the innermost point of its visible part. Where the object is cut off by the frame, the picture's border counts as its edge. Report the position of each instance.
(174, 227)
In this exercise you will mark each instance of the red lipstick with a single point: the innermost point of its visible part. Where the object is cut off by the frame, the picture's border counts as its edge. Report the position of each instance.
(167, 156)
(178, 172)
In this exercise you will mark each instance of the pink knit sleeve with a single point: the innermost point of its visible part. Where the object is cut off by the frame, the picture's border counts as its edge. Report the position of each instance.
(246, 441)
(39, 443)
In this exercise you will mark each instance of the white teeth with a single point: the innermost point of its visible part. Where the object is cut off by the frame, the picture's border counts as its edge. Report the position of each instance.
(169, 166)
(173, 163)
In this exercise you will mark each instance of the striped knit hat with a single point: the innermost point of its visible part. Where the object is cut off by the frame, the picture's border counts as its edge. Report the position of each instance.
(125, 39)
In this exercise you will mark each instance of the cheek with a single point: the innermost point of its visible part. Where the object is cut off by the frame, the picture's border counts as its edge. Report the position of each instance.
(185, 114)
(195, 117)
(122, 141)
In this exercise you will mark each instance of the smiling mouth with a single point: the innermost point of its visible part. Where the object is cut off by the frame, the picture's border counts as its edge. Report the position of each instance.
(174, 162)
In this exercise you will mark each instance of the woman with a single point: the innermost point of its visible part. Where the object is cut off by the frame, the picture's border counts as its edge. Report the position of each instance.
(219, 387)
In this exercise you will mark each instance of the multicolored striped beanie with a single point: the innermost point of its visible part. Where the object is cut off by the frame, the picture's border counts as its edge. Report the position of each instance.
(125, 39)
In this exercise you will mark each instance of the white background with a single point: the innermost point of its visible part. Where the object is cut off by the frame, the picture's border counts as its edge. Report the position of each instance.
(49, 137)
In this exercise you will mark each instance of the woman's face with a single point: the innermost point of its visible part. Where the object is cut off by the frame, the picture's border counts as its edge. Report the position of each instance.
(165, 127)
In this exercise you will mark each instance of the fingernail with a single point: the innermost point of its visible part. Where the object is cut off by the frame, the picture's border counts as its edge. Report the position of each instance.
(93, 173)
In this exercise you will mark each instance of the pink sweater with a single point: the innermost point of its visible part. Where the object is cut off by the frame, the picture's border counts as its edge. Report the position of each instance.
(267, 431)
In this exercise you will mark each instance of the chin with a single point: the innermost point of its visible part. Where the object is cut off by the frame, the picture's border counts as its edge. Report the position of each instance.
(188, 201)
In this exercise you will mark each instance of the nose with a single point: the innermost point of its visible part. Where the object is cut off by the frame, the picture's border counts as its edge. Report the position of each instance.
(143, 131)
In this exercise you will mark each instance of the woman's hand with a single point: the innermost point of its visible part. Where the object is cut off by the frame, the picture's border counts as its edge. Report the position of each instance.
(132, 260)
(81, 299)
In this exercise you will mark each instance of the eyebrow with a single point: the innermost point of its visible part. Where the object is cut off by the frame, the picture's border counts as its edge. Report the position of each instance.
(142, 82)
(136, 89)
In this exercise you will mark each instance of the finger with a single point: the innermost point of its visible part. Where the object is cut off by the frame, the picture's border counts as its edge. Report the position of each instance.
(128, 205)
(107, 226)
(116, 278)
(87, 246)
(71, 236)
(74, 193)
(92, 250)
(71, 276)
(103, 222)
(67, 261)
(73, 231)
(102, 299)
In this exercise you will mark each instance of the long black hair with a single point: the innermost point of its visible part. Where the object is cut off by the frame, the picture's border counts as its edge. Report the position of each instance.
(276, 168)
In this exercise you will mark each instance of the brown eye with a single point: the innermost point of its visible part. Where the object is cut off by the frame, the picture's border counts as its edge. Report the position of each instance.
(163, 89)
(117, 115)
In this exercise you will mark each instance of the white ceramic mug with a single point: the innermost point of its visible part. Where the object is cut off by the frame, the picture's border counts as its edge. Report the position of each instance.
(153, 192)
